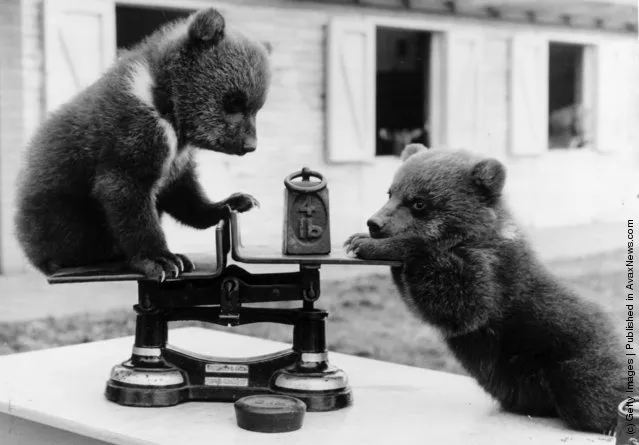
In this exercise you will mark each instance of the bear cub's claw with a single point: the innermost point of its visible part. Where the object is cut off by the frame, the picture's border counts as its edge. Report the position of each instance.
(241, 202)
(163, 266)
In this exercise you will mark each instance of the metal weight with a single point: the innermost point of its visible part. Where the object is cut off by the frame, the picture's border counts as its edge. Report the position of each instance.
(627, 432)
(306, 215)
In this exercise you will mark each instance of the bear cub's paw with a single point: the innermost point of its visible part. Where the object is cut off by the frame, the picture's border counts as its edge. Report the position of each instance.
(162, 266)
(359, 246)
(241, 202)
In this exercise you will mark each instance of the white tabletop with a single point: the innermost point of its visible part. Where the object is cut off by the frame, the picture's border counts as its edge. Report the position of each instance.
(64, 388)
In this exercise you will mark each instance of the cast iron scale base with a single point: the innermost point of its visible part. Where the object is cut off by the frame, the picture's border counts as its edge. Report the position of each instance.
(158, 374)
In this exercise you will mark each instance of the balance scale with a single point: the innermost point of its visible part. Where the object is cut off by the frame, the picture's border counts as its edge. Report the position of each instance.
(158, 374)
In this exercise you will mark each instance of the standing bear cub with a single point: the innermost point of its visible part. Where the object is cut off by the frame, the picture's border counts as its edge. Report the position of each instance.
(527, 340)
(103, 168)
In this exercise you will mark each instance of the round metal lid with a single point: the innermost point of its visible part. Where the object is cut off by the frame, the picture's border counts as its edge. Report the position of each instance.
(270, 413)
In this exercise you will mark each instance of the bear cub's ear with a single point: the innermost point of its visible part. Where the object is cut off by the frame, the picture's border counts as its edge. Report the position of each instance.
(411, 149)
(269, 47)
(207, 27)
(490, 176)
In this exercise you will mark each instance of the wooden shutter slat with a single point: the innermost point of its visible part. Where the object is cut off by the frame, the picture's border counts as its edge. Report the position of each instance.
(614, 65)
(74, 58)
(463, 99)
(351, 91)
(529, 95)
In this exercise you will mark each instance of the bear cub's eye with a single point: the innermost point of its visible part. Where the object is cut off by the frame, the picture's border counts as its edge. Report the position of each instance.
(419, 204)
(235, 103)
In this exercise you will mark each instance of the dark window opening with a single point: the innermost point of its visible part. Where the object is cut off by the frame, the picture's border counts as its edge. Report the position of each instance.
(402, 89)
(134, 23)
(567, 110)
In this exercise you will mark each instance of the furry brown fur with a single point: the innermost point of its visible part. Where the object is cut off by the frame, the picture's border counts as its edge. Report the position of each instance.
(467, 269)
(103, 168)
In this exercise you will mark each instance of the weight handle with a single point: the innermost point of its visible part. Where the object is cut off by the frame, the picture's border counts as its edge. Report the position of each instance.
(305, 173)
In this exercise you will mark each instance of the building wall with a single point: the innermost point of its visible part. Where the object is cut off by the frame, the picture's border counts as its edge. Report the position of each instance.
(11, 123)
(560, 188)
(555, 189)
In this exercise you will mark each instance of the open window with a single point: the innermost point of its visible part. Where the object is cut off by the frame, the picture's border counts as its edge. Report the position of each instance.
(390, 86)
(570, 88)
(385, 89)
(134, 23)
(402, 89)
(569, 96)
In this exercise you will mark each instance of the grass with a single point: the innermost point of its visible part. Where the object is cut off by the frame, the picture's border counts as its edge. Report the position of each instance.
(367, 318)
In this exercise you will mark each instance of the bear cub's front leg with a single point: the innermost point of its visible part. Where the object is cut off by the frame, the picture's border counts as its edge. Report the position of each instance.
(154, 258)
(102, 170)
(361, 245)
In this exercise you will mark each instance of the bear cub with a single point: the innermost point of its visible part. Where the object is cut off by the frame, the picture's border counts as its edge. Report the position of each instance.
(527, 340)
(103, 168)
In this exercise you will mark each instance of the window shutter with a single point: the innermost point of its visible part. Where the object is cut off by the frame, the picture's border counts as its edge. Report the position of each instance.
(80, 44)
(462, 55)
(612, 118)
(528, 95)
(351, 90)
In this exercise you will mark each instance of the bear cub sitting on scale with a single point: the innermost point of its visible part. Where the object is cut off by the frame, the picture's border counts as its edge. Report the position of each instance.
(103, 168)
(527, 340)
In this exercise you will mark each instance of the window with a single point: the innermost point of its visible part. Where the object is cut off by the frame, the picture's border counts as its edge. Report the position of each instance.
(134, 23)
(402, 87)
(390, 85)
(554, 86)
(569, 101)
(384, 89)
